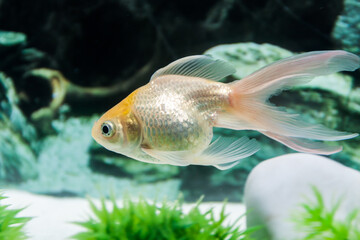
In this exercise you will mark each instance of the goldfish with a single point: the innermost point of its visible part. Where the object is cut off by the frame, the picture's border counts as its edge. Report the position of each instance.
(170, 120)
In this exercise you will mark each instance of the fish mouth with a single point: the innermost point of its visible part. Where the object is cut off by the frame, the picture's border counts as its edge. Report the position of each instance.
(95, 132)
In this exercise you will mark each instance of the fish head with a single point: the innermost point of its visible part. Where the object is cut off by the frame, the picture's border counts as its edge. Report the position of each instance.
(117, 130)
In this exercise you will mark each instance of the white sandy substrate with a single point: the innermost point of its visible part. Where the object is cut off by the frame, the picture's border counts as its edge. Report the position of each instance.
(52, 216)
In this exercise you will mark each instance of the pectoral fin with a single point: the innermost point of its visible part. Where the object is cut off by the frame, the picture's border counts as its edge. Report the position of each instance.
(225, 153)
(176, 158)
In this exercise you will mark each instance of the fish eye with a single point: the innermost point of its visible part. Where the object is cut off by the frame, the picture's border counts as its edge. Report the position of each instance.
(107, 129)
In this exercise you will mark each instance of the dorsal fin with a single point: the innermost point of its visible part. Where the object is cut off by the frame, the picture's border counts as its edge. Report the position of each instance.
(197, 66)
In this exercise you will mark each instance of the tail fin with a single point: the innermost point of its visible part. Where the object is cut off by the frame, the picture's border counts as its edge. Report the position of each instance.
(250, 110)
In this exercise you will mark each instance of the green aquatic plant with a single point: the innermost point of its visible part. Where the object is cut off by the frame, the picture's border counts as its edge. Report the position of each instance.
(11, 226)
(143, 220)
(9, 39)
(320, 222)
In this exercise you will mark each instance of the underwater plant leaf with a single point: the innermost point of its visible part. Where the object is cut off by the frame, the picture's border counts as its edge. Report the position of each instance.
(11, 226)
(320, 223)
(142, 220)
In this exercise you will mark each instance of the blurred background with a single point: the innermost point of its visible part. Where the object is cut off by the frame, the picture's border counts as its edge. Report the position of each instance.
(64, 63)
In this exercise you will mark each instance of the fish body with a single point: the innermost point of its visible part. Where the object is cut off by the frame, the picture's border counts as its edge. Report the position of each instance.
(178, 112)
(170, 120)
(172, 113)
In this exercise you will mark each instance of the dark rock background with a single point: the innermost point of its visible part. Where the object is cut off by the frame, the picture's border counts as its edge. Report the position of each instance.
(99, 43)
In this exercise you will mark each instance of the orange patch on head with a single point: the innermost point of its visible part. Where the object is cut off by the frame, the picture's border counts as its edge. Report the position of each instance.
(123, 108)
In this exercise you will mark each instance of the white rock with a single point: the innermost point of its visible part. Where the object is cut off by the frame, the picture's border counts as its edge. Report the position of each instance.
(276, 188)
